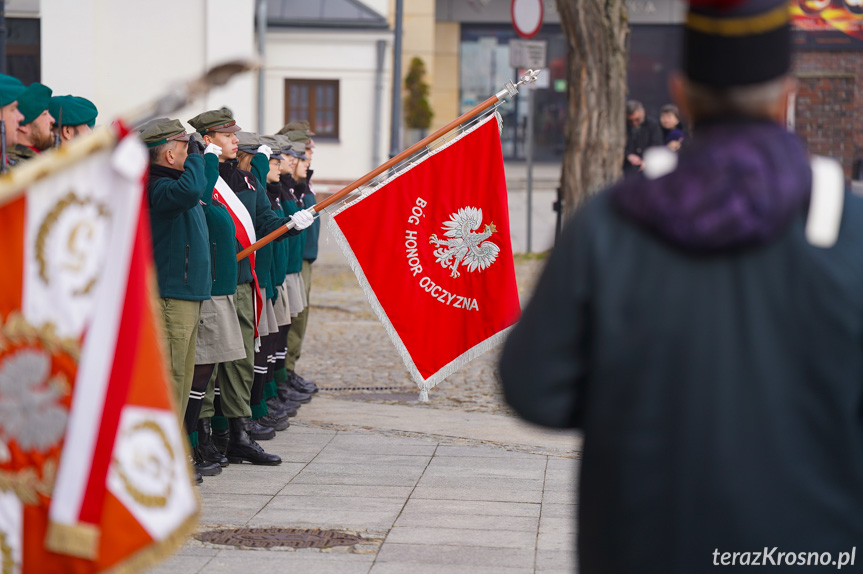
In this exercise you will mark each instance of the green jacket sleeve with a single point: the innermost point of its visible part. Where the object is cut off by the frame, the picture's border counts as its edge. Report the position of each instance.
(260, 168)
(266, 220)
(211, 173)
(173, 197)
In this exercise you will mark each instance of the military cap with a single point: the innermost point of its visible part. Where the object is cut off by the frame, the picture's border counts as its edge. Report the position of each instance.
(33, 101)
(215, 121)
(301, 126)
(248, 142)
(723, 37)
(161, 131)
(274, 145)
(73, 111)
(298, 150)
(284, 142)
(298, 136)
(10, 89)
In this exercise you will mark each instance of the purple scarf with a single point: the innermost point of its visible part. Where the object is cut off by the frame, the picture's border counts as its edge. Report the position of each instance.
(739, 185)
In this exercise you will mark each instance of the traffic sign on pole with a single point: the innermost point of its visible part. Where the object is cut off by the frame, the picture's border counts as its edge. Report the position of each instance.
(526, 17)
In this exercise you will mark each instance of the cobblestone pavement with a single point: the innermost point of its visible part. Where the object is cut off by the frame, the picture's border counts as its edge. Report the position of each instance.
(347, 347)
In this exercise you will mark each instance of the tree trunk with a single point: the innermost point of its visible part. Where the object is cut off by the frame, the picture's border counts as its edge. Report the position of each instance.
(597, 33)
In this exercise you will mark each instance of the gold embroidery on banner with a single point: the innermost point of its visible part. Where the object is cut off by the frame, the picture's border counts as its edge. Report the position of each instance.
(48, 225)
(78, 540)
(7, 562)
(146, 499)
(27, 485)
(17, 331)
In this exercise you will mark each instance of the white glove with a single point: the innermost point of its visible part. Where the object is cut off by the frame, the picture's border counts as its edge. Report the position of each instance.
(213, 148)
(302, 219)
(266, 150)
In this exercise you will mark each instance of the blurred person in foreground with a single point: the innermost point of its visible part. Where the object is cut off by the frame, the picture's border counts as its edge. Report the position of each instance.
(708, 346)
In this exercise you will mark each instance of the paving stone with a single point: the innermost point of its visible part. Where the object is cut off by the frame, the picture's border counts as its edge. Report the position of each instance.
(326, 503)
(241, 479)
(415, 469)
(547, 561)
(491, 538)
(484, 452)
(181, 563)
(563, 541)
(520, 484)
(333, 478)
(567, 496)
(315, 490)
(550, 510)
(414, 568)
(472, 507)
(231, 509)
(280, 562)
(477, 492)
(480, 471)
(344, 457)
(462, 556)
(467, 521)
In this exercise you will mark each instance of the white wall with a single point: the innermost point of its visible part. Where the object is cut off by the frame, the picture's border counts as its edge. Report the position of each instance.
(351, 58)
(123, 53)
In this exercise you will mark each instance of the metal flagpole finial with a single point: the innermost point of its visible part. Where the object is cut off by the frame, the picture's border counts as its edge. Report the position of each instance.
(511, 90)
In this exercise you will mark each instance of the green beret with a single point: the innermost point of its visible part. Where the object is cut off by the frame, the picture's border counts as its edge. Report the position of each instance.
(10, 89)
(215, 121)
(161, 131)
(33, 101)
(72, 111)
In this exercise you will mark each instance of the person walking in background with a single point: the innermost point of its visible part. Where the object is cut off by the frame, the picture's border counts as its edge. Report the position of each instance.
(704, 329)
(641, 133)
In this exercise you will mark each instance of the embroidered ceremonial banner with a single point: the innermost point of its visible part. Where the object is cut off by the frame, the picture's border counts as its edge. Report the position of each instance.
(431, 248)
(93, 467)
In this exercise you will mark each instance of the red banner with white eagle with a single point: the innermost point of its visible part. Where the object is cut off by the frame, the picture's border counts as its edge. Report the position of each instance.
(93, 467)
(431, 248)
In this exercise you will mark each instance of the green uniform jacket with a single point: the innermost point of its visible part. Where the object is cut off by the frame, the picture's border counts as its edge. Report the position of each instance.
(180, 237)
(223, 241)
(22, 153)
(296, 244)
(308, 199)
(254, 198)
(280, 249)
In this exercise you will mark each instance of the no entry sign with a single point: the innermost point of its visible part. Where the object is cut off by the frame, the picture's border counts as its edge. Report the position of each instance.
(526, 17)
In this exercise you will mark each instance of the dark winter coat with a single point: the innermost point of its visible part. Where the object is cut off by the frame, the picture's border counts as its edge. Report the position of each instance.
(712, 357)
(639, 139)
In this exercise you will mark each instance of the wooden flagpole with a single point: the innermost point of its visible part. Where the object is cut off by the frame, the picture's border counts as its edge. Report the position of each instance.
(510, 90)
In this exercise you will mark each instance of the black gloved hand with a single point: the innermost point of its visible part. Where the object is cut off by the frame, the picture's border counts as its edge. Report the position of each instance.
(195, 147)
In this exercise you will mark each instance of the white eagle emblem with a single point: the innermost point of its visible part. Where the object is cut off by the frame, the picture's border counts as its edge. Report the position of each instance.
(464, 246)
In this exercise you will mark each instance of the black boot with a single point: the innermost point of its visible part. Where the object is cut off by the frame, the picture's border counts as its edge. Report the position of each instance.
(277, 424)
(301, 384)
(289, 407)
(276, 409)
(241, 447)
(288, 393)
(205, 467)
(208, 450)
(257, 431)
(221, 438)
(196, 476)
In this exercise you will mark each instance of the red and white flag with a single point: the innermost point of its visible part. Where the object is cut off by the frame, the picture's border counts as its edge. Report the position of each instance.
(431, 248)
(93, 468)
(245, 233)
